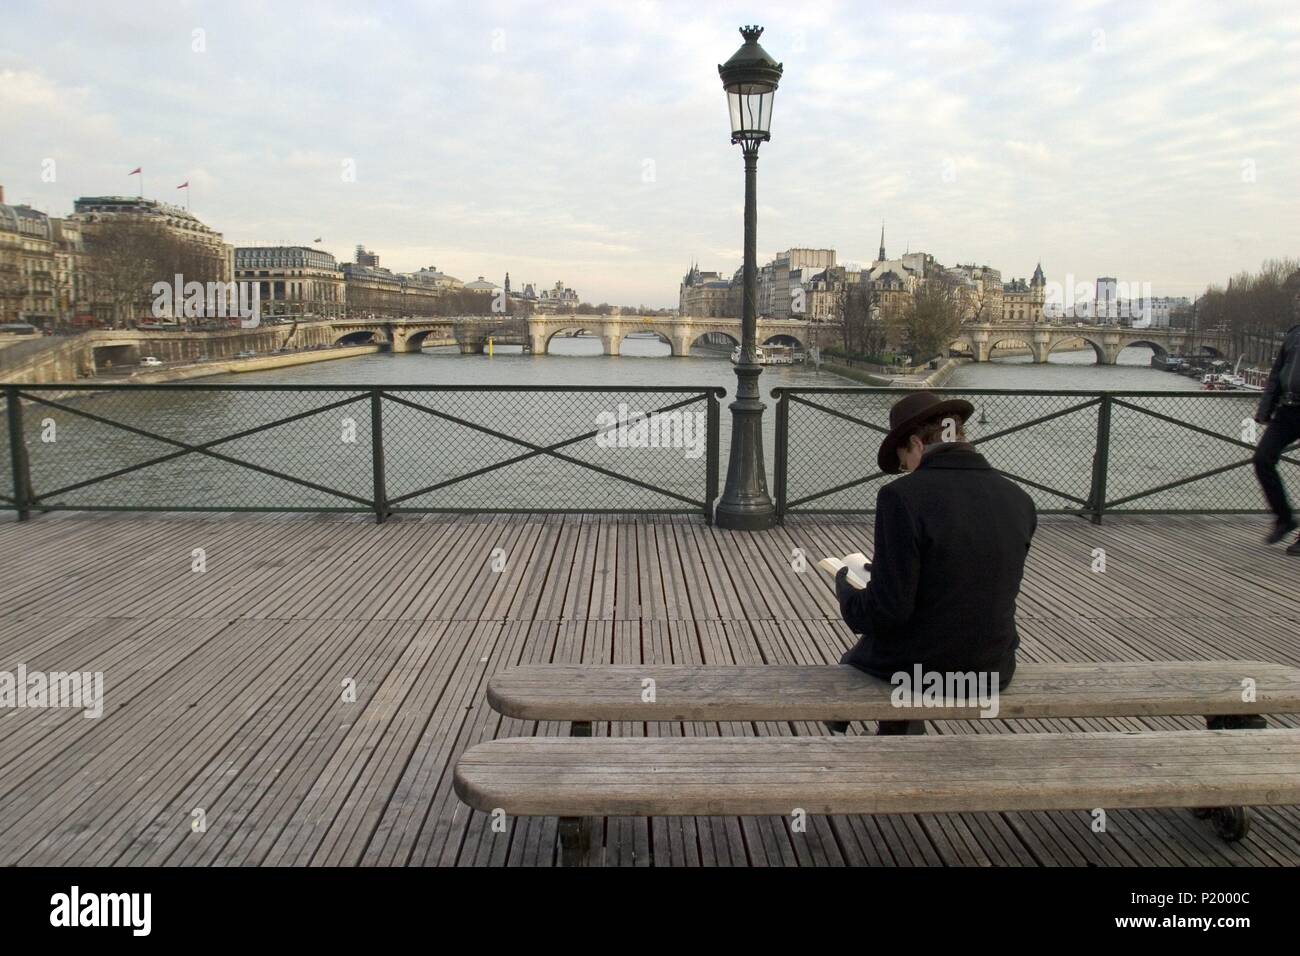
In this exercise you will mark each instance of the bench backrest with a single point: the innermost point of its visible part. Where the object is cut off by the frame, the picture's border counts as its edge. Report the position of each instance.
(663, 692)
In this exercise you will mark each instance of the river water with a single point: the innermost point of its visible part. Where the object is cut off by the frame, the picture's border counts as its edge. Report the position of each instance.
(432, 440)
(1072, 371)
(578, 361)
(571, 361)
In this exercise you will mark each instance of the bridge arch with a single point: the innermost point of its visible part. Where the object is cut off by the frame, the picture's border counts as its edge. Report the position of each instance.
(783, 338)
(716, 333)
(1161, 352)
(1098, 349)
(360, 337)
(1007, 342)
(415, 341)
(659, 334)
(577, 330)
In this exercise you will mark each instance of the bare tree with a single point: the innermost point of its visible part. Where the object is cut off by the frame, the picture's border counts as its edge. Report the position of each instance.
(12, 286)
(120, 257)
(976, 304)
(863, 330)
(1254, 309)
(125, 257)
(929, 319)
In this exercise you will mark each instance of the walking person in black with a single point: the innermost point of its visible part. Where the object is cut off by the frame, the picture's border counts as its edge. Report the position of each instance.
(1279, 409)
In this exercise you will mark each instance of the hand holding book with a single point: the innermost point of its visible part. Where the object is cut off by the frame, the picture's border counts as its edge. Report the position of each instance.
(858, 564)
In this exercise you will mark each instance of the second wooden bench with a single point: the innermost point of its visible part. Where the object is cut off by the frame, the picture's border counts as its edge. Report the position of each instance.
(579, 779)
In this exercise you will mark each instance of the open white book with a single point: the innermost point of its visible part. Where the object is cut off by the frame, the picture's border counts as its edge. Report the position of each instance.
(859, 566)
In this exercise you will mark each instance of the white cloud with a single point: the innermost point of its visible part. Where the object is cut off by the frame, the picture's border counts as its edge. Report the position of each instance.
(512, 135)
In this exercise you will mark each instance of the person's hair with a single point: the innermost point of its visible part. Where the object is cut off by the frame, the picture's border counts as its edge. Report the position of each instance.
(932, 431)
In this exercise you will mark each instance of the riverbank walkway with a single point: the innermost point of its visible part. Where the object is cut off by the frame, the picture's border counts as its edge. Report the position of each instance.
(303, 698)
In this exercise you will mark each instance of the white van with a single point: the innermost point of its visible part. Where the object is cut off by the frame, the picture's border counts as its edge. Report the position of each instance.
(150, 360)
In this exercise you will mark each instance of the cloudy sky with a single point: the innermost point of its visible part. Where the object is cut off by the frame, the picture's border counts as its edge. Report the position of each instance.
(1153, 141)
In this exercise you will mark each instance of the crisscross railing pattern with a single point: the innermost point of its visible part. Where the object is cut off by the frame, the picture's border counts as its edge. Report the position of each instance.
(1203, 444)
(1074, 452)
(232, 447)
(208, 447)
(553, 449)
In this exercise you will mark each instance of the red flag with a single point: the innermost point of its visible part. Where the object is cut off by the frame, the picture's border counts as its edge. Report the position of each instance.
(184, 185)
(134, 171)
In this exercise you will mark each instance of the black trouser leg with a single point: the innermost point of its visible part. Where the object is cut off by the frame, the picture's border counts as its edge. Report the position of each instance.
(900, 728)
(1282, 431)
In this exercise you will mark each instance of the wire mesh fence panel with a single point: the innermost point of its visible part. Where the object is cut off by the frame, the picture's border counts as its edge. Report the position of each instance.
(1045, 441)
(1175, 451)
(830, 448)
(217, 448)
(6, 455)
(546, 449)
(1186, 453)
(572, 448)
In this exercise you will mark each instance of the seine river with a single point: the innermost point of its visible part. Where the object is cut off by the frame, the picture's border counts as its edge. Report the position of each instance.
(440, 446)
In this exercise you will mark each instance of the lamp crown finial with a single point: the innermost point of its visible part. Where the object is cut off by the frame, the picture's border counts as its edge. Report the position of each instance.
(751, 34)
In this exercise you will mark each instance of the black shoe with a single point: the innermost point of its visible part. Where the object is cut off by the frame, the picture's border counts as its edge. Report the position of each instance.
(1280, 530)
(1235, 722)
(837, 726)
(1294, 547)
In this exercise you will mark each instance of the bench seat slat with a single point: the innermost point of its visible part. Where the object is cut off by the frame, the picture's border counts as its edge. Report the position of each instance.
(803, 692)
(738, 776)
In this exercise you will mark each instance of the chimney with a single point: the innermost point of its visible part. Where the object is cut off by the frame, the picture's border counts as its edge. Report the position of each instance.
(2, 195)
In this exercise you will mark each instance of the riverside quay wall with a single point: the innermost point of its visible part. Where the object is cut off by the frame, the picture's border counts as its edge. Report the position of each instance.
(67, 359)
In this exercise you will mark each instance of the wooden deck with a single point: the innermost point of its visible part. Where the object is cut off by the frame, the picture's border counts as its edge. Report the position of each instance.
(223, 689)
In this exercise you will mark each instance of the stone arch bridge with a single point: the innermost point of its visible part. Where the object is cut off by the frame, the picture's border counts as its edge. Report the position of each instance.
(1107, 341)
(535, 332)
(67, 358)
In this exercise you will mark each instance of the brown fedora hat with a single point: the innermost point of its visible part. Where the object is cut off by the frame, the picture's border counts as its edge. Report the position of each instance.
(909, 414)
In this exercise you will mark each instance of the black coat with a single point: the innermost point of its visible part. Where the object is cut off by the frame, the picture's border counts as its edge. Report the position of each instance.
(1283, 378)
(950, 548)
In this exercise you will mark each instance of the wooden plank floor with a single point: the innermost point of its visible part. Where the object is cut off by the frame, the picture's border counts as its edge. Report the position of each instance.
(224, 689)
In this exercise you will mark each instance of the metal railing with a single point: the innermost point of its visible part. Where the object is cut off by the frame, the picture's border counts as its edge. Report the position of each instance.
(540, 449)
(207, 447)
(1084, 453)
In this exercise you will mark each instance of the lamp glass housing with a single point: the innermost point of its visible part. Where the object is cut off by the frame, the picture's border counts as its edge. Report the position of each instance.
(750, 105)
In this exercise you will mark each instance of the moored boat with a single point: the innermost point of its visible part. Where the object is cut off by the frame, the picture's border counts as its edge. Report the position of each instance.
(771, 355)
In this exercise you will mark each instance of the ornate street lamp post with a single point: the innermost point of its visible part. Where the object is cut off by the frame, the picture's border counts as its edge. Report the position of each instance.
(750, 78)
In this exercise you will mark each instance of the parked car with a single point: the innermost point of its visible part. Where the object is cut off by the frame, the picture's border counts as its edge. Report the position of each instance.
(247, 353)
(150, 360)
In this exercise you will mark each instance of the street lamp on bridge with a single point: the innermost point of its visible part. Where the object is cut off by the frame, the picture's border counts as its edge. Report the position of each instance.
(750, 78)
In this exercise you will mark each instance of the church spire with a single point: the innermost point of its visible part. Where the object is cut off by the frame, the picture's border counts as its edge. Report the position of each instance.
(882, 243)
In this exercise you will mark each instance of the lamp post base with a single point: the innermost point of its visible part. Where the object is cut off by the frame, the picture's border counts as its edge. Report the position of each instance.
(754, 516)
(745, 504)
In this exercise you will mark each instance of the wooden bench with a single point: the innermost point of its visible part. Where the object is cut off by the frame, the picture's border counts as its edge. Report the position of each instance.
(574, 778)
(1221, 769)
(586, 692)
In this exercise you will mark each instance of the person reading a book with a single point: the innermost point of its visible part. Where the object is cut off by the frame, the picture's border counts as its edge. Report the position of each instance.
(951, 539)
